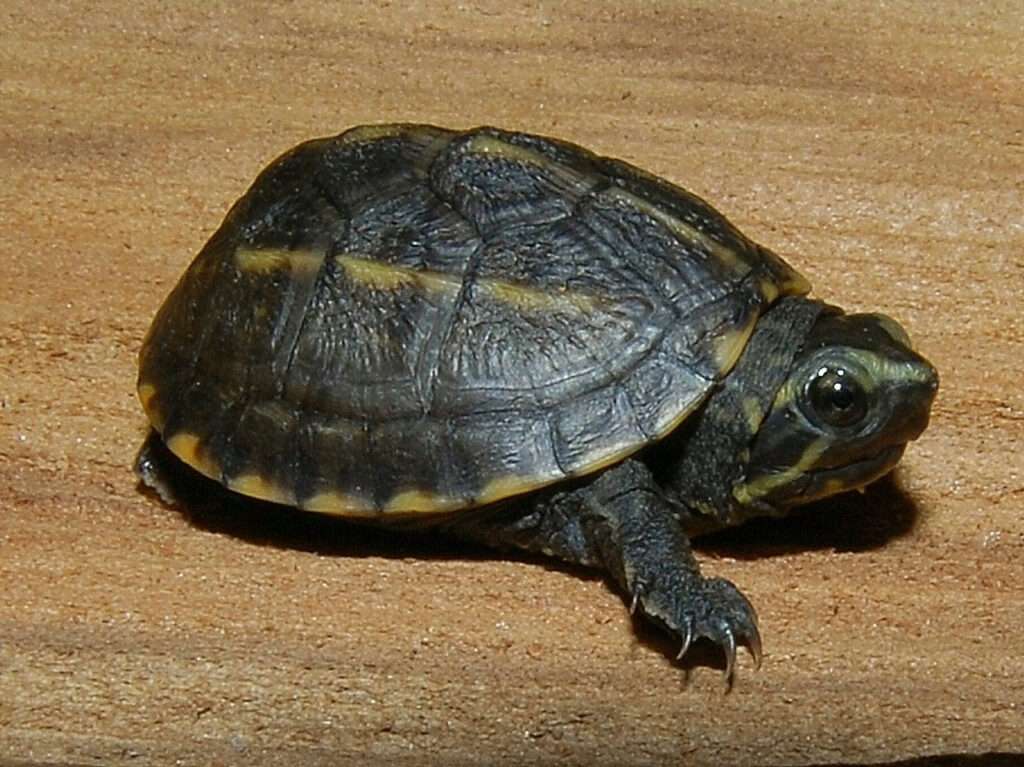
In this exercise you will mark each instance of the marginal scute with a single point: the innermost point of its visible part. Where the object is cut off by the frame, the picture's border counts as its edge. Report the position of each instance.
(594, 464)
(341, 504)
(786, 280)
(690, 235)
(256, 486)
(769, 289)
(794, 283)
(495, 147)
(500, 488)
(834, 486)
(674, 421)
(189, 448)
(729, 344)
(147, 396)
(421, 501)
(146, 393)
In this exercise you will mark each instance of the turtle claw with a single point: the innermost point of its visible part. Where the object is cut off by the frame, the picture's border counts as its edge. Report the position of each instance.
(715, 610)
(636, 599)
(729, 648)
(753, 642)
(687, 641)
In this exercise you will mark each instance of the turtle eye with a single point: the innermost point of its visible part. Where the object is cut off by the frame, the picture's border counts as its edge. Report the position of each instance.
(836, 397)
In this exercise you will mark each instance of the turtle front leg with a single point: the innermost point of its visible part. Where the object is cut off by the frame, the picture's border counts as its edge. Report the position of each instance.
(622, 523)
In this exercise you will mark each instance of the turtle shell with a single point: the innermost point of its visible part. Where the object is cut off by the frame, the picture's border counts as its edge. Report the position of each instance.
(405, 319)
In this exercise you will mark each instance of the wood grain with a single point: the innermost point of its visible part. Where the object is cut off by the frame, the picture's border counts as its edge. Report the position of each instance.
(879, 147)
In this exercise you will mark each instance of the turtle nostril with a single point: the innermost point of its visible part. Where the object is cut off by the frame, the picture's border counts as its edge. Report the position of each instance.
(925, 376)
(919, 404)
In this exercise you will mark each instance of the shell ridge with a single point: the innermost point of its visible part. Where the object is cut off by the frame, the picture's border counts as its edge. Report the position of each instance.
(637, 422)
(327, 247)
(739, 292)
(554, 438)
(426, 379)
(665, 298)
(222, 243)
(673, 264)
(305, 297)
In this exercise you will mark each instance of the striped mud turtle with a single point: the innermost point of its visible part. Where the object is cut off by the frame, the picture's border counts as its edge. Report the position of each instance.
(529, 344)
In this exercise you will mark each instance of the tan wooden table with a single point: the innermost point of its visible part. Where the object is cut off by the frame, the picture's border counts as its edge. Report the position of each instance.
(879, 147)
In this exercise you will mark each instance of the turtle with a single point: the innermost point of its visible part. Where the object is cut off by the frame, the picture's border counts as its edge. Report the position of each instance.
(525, 344)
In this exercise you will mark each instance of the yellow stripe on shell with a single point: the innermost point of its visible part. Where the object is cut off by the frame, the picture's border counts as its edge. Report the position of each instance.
(506, 487)
(147, 395)
(769, 290)
(794, 284)
(377, 275)
(188, 447)
(729, 344)
(533, 300)
(492, 146)
(339, 504)
(424, 141)
(421, 502)
(267, 260)
(685, 232)
(256, 486)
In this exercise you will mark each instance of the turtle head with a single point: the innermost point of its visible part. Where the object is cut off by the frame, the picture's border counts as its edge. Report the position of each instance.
(856, 394)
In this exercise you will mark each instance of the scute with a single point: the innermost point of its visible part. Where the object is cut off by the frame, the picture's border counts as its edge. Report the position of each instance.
(404, 319)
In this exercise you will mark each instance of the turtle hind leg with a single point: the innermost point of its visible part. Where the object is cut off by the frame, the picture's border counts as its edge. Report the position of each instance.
(153, 468)
(174, 481)
(621, 523)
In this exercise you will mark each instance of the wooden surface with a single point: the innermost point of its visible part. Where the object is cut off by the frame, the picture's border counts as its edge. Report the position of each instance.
(879, 147)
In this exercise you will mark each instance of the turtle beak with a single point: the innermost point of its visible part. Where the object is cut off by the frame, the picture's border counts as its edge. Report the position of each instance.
(918, 393)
